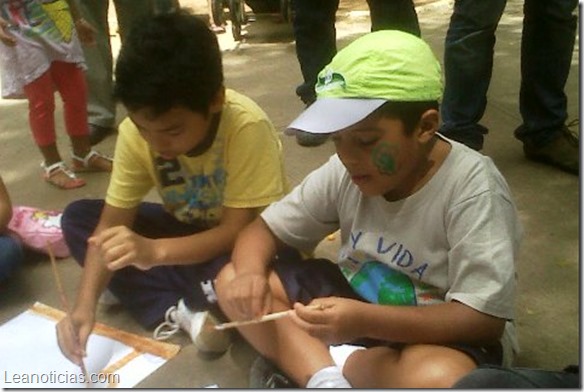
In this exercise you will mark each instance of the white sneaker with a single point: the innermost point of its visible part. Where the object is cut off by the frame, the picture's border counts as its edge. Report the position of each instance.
(199, 325)
(180, 317)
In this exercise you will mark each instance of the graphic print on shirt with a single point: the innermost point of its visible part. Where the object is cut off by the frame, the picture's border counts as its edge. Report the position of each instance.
(387, 273)
(58, 12)
(48, 18)
(192, 198)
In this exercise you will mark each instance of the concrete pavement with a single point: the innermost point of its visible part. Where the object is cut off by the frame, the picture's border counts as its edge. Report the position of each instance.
(264, 67)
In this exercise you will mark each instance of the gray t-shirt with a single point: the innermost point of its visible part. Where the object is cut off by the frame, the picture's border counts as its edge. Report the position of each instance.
(456, 238)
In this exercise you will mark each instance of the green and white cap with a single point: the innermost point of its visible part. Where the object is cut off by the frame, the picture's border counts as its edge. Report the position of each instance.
(387, 65)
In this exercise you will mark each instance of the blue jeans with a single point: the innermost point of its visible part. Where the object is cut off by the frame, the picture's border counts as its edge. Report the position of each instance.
(11, 256)
(525, 378)
(315, 33)
(549, 31)
(99, 76)
(468, 65)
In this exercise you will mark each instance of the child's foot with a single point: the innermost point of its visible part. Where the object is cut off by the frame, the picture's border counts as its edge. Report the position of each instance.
(59, 175)
(93, 161)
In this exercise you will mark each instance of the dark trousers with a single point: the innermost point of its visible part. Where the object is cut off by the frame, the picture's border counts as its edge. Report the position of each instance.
(547, 43)
(315, 33)
(146, 294)
(525, 378)
(11, 256)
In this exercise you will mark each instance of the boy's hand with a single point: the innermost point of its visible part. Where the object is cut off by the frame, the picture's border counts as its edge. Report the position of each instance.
(72, 335)
(6, 38)
(333, 320)
(248, 296)
(120, 247)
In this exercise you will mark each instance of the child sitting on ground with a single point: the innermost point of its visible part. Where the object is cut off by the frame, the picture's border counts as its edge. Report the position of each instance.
(423, 289)
(213, 156)
(40, 51)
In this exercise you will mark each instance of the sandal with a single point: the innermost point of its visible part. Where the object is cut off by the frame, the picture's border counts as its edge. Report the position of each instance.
(93, 161)
(59, 175)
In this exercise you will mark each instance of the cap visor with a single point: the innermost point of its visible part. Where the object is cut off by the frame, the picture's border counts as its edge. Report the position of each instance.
(328, 115)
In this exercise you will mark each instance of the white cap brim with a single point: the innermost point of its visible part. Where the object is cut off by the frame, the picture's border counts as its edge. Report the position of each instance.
(328, 115)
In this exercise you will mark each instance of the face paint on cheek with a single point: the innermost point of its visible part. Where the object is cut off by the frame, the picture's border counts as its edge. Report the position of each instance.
(382, 156)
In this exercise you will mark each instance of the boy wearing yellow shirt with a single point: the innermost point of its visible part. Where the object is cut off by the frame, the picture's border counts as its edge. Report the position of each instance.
(215, 160)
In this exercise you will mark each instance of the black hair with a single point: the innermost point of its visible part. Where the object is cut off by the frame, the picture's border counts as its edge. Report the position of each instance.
(409, 113)
(169, 60)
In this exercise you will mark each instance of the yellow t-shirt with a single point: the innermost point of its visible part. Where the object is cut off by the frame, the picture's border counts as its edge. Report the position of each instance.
(243, 168)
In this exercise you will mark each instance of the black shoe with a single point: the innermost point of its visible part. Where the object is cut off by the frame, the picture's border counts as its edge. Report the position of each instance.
(264, 374)
(307, 139)
(562, 152)
(97, 133)
(306, 94)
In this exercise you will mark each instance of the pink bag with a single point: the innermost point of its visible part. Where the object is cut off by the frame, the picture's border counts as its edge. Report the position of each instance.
(38, 227)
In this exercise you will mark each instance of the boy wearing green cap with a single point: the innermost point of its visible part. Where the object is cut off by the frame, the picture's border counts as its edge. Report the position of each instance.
(423, 288)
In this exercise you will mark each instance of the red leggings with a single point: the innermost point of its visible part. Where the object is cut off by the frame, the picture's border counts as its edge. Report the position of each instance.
(69, 80)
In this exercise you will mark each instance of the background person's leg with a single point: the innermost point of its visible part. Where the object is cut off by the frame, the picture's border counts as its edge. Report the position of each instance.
(130, 11)
(101, 107)
(70, 82)
(468, 65)
(394, 15)
(41, 103)
(41, 113)
(549, 33)
(315, 34)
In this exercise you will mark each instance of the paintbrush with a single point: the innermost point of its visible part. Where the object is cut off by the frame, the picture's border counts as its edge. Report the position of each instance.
(264, 318)
(65, 305)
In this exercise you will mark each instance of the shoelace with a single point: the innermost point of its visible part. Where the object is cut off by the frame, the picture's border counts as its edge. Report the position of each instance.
(572, 135)
(168, 327)
(574, 123)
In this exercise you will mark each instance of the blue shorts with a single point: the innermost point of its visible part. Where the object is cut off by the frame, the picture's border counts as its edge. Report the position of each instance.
(305, 280)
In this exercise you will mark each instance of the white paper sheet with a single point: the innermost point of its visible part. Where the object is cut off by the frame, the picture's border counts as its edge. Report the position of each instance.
(30, 356)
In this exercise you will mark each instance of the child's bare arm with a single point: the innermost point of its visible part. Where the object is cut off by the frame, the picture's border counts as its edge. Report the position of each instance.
(121, 247)
(94, 280)
(248, 294)
(342, 320)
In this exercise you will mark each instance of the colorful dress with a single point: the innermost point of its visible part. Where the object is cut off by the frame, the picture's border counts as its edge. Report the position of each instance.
(45, 32)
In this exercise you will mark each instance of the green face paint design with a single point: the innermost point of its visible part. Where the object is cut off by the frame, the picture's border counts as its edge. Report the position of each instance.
(382, 156)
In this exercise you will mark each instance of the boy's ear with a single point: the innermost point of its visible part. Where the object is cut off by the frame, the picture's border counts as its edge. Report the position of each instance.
(428, 125)
(218, 101)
